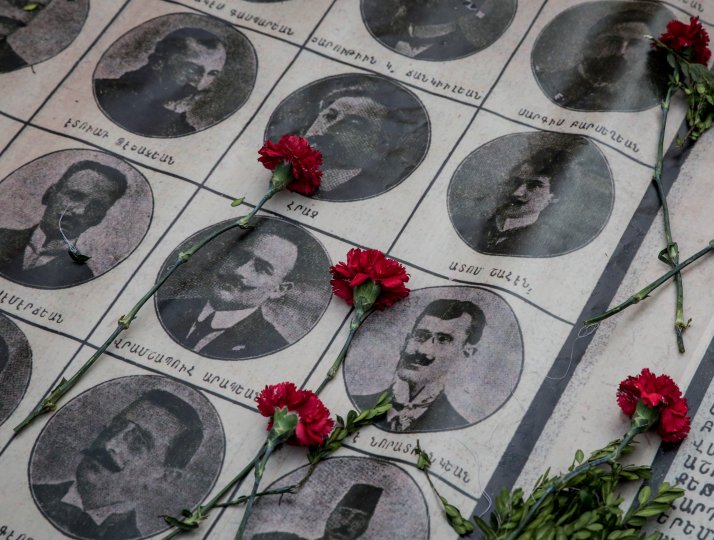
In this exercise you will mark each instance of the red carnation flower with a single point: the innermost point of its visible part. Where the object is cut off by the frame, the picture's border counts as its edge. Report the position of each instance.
(304, 162)
(362, 265)
(661, 393)
(314, 422)
(689, 40)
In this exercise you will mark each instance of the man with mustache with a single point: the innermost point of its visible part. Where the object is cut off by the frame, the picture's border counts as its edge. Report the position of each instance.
(12, 18)
(617, 69)
(38, 255)
(444, 333)
(224, 318)
(154, 100)
(145, 448)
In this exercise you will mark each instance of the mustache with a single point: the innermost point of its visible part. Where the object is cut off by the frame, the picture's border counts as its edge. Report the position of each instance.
(101, 456)
(419, 359)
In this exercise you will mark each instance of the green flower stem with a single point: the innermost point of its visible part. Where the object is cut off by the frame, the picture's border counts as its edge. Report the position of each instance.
(244, 498)
(358, 319)
(49, 403)
(672, 250)
(644, 293)
(215, 501)
(271, 444)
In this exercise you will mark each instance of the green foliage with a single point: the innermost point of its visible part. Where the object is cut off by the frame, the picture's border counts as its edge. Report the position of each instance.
(190, 521)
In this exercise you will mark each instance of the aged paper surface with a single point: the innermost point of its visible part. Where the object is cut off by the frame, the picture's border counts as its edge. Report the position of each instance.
(501, 150)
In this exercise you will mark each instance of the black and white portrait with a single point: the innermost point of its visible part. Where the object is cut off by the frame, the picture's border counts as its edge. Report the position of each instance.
(596, 56)
(30, 36)
(346, 498)
(373, 132)
(117, 457)
(448, 356)
(437, 30)
(248, 293)
(82, 198)
(15, 366)
(531, 194)
(175, 75)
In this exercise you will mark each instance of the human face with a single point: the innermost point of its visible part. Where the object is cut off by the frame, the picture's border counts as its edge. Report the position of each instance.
(254, 273)
(127, 454)
(346, 523)
(84, 198)
(530, 197)
(193, 70)
(619, 51)
(431, 348)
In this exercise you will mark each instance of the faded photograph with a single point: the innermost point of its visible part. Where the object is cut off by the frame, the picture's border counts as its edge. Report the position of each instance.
(437, 30)
(32, 32)
(80, 198)
(175, 75)
(117, 457)
(448, 356)
(596, 56)
(373, 133)
(15, 366)
(532, 194)
(346, 498)
(248, 293)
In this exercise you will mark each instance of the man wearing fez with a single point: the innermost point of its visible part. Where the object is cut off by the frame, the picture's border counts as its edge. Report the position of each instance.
(348, 521)
(38, 255)
(144, 448)
(617, 69)
(12, 18)
(155, 99)
(225, 319)
(445, 332)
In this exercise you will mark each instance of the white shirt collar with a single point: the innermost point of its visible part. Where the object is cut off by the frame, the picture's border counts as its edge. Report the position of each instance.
(98, 515)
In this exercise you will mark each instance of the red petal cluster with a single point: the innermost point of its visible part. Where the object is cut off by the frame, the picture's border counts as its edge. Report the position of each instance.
(657, 391)
(690, 40)
(314, 422)
(304, 161)
(364, 264)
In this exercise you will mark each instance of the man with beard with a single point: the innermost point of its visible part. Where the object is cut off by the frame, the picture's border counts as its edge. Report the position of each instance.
(146, 447)
(224, 319)
(38, 255)
(154, 100)
(617, 70)
(349, 520)
(445, 332)
(12, 18)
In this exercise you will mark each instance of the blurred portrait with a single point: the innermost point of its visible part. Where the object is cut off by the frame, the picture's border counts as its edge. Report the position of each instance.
(596, 56)
(29, 36)
(15, 366)
(120, 455)
(437, 30)
(448, 356)
(77, 198)
(533, 194)
(248, 293)
(346, 498)
(175, 75)
(373, 132)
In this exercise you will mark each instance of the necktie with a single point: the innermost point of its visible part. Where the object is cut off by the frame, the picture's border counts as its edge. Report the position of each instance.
(200, 330)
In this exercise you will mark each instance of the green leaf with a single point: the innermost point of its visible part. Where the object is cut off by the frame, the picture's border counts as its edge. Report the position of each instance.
(644, 495)
(237, 202)
(32, 6)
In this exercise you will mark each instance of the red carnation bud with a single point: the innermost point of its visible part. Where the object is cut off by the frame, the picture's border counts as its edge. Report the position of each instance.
(314, 422)
(689, 40)
(295, 163)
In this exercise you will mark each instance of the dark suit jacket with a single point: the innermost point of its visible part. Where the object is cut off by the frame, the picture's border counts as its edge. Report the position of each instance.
(78, 522)
(253, 336)
(129, 102)
(440, 415)
(60, 271)
(277, 536)
(9, 59)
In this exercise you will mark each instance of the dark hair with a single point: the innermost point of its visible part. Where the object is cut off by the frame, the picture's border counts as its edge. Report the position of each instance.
(118, 179)
(184, 445)
(653, 19)
(448, 309)
(177, 42)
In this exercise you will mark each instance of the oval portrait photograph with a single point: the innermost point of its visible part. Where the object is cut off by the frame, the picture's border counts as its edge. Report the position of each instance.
(596, 56)
(248, 293)
(437, 30)
(15, 366)
(31, 36)
(449, 357)
(175, 75)
(117, 457)
(65, 200)
(532, 194)
(372, 131)
(345, 498)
